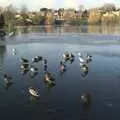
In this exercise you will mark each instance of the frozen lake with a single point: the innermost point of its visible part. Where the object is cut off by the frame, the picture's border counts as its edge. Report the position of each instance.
(62, 101)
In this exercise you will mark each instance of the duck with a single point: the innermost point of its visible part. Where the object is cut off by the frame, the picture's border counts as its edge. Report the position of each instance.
(14, 51)
(34, 92)
(81, 59)
(62, 67)
(45, 67)
(71, 55)
(24, 66)
(11, 34)
(44, 61)
(65, 56)
(23, 60)
(48, 78)
(89, 57)
(68, 56)
(86, 58)
(37, 59)
(33, 69)
(2, 33)
(7, 79)
(84, 68)
(49, 85)
(86, 99)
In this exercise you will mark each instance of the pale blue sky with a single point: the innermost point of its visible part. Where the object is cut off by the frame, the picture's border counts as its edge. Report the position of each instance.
(37, 4)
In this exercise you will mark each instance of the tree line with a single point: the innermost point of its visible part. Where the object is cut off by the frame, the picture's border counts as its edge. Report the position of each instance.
(106, 14)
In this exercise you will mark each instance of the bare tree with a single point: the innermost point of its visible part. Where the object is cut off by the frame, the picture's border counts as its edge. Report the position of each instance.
(81, 7)
(108, 7)
(24, 9)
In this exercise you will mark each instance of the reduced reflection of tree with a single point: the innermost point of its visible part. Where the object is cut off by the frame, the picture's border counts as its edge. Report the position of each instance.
(2, 52)
(84, 29)
(48, 29)
(59, 29)
(101, 29)
(25, 29)
(94, 29)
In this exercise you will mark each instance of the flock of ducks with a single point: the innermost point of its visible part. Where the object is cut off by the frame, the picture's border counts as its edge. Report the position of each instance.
(27, 66)
(84, 59)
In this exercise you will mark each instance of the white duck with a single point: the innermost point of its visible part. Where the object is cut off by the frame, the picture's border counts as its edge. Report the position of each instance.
(81, 58)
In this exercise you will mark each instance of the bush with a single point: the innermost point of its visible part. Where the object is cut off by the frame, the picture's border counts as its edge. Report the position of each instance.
(78, 22)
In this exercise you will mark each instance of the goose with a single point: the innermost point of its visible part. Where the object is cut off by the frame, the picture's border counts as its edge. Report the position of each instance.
(34, 92)
(37, 59)
(7, 79)
(23, 60)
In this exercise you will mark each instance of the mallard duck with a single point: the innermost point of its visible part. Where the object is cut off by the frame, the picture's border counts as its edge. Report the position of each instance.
(89, 58)
(68, 56)
(33, 69)
(7, 79)
(24, 67)
(45, 61)
(86, 99)
(45, 67)
(65, 56)
(34, 92)
(84, 68)
(14, 51)
(23, 60)
(37, 59)
(62, 66)
(48, 78)
(49, 85)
